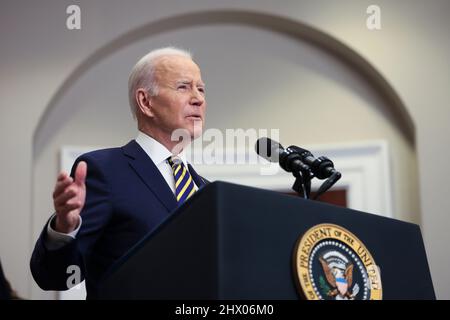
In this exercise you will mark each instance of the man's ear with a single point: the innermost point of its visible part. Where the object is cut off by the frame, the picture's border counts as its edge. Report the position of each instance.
(144, 102)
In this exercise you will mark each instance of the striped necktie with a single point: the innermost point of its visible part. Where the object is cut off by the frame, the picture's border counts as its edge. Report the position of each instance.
(184, 185)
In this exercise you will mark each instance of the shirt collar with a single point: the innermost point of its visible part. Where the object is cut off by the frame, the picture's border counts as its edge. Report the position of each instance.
(155, 150)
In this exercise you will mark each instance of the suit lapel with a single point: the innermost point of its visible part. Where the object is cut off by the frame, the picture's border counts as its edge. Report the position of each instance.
(199, 181)
(144, 166)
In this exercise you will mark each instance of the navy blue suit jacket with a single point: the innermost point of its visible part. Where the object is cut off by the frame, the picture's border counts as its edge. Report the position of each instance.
(126, 198)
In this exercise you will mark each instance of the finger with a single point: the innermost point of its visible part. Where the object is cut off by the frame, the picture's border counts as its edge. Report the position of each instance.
(64, 197)
(61, 186)
(62, 175)
(80, 173)
(63, 183)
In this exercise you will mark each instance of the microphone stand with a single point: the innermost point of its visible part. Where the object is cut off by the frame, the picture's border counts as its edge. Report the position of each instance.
(302, 184)
(328, 184)
(304, 174)
(301, 171)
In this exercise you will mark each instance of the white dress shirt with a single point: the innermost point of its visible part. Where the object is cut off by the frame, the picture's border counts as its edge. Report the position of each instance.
(157, 152)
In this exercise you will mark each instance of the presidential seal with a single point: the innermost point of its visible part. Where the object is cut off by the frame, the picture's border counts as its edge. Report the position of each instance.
(331, 263)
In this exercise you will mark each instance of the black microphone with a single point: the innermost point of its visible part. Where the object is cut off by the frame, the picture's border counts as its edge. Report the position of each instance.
(273, 151)
(321, 167)
(301, 163)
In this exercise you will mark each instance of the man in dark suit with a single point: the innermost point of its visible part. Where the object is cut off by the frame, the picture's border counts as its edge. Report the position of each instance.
(114, 197)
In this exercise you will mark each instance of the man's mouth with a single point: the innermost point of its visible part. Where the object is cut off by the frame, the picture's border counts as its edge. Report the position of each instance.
(194, 117)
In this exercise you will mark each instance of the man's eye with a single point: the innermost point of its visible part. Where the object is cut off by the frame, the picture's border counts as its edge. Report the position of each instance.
(202, 90)
(183, 86)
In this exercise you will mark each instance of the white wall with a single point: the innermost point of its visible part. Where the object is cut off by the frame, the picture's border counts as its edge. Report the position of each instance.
(40, 53)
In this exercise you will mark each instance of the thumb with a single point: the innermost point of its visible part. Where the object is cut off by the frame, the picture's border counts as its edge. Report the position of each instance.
(80, 173)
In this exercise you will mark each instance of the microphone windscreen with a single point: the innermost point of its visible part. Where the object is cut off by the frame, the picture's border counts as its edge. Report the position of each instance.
(268, 149)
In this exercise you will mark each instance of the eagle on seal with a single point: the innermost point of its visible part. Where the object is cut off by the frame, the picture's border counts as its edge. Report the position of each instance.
(339, 279)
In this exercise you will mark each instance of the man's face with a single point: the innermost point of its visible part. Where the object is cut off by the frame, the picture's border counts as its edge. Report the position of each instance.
(180, 102)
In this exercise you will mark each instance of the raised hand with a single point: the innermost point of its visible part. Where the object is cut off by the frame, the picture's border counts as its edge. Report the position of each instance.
(69, 197)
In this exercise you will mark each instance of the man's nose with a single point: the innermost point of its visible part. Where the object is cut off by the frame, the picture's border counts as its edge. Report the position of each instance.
(197, 98)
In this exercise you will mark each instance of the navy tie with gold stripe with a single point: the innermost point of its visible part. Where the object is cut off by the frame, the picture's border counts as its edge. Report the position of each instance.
(184, 185)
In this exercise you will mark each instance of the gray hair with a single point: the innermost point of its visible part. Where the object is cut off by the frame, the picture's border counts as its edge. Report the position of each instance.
(143, 73)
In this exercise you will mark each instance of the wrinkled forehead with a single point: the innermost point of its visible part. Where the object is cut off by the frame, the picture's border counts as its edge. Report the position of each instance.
(173, 68)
